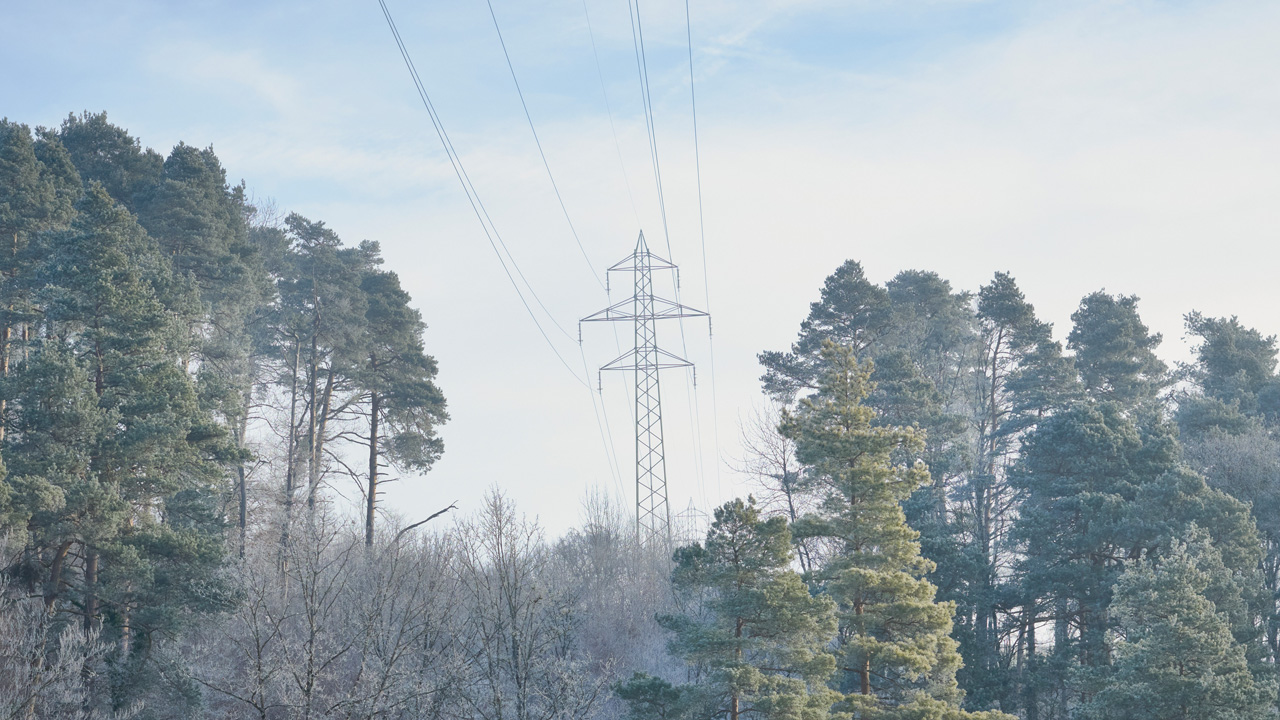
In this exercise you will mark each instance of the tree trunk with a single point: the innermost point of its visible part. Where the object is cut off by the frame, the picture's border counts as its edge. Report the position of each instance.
(1032, 699)
(733, 703)
(320, 426)
(312, 391)
(241, 431)
(983, 610)
(242, 494)
(373, 468)
(126, 633)
(91, 590)
(5, 334)
(986, 636)
(53, 587)
(243, 498)
(4, 370)
(864, 672)
(291, 471)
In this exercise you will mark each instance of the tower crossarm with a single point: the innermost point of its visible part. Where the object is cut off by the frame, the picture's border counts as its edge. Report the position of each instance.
(635, 360)
(661, 309)
(641, 260)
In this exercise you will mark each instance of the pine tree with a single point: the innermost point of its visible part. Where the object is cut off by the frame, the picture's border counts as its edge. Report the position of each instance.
(1079, 473)
(404, 406)
(1235, 389)
(201, 226)
(1234, 364)
(923, 364)
(1114, 352)
(1045, 382)
(54, 425)
(1008, 335)
(1226, 423)
(108, 428)
(1100, 493)
(921, 334)
(317, 327)
(851, 311)
(38, 187)
(895, 657)
(109, 155)
(1043, 385)
(1175, 657)
(759, 642)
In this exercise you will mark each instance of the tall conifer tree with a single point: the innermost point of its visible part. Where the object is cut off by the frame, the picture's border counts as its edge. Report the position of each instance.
(38, 188)
(896, 658)
(109, 155)
(108, 424)
(1114, 351)
(402, 403)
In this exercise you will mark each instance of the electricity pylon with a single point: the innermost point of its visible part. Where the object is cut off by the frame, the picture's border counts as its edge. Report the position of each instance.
(646, 359)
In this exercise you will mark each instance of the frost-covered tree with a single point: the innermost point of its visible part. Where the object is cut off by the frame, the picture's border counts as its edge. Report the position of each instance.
(1174, 655)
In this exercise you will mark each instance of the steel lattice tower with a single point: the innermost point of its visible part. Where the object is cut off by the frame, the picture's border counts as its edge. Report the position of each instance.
(646, 359)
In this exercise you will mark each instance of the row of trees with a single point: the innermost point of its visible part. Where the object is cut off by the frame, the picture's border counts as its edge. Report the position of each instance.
(959, 516)
(486, 620)
(1102, 524)
(866, 637)
(180, 370)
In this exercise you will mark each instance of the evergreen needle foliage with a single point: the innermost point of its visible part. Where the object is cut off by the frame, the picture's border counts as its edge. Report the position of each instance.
(896, 658)
(1175, 657)
(141, 308)
(753, 635)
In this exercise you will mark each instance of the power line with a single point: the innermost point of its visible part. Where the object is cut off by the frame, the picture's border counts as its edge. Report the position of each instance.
(477, 206)
(610, 450)
(626, 182)
(606, 436)
(609, 110)
(487, 225)
(642, 68)
(622, 166)
(702, 237)
(538, 142)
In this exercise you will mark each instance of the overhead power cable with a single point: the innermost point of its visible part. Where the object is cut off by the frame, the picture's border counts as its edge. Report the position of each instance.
(702, 238)
(604, 92)
(606, 432)
(491, 233)
(626, 182)
(538, 142)
(597, 408)
(477, 205)
(642, 68)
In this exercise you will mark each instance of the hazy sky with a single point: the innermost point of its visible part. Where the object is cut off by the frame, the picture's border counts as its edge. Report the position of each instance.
(1131, 146)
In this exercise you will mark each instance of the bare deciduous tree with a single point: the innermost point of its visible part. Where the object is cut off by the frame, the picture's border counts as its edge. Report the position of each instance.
(518, 632)
(344, 631)
(770, 461)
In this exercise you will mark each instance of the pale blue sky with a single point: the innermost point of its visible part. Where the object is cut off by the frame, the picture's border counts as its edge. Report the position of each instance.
(1123, 144)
